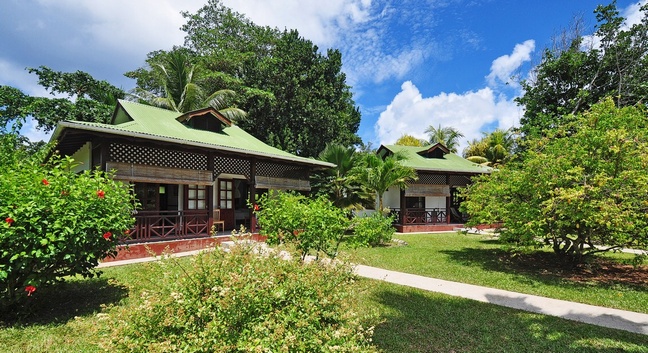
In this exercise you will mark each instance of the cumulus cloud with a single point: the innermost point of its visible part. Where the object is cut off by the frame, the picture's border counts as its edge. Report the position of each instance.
(503, 68)
(470, 112)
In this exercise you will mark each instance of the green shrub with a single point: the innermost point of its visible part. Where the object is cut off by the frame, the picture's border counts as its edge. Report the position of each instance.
(310, 224)
(242, 302)
(55, 223)
(372, 230)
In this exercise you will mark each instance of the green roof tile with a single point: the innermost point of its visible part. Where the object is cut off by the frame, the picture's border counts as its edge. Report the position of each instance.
(154, 123)
(449, 163)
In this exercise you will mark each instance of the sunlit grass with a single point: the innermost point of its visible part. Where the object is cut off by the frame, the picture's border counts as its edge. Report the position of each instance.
(481, 260)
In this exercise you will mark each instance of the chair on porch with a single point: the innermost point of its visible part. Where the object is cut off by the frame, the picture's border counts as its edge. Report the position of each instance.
(218, 220)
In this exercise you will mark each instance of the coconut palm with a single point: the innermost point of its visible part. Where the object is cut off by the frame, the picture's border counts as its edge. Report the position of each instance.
(494, 149)
(341, 183)
(181, 92)
(447, 136)
(379, 174)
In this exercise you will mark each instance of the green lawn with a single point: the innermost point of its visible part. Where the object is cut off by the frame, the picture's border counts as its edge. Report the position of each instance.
(71, 317)
(481, 260)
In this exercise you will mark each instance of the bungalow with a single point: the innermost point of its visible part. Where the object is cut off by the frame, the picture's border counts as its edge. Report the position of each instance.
(189, 170)
(431, 202)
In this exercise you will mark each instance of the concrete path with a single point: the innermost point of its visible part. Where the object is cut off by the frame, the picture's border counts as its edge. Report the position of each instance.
(595, 315)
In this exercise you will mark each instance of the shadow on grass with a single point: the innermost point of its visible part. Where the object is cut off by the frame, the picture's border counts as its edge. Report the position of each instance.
(418, 321)
(548, 268)
(61, 302)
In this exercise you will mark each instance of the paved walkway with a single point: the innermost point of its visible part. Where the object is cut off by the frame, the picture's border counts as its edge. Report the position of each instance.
(595, 315)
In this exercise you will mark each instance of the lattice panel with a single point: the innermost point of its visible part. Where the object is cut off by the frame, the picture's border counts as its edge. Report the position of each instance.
(276, 170)
(231, 166)
(156, 156)
(434, 179)
(459, 180)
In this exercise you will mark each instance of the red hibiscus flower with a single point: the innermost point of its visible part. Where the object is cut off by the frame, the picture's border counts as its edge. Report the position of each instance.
(256, 207)
(9, 220)
(30, 289)
(45, 182)
(127, 231)
(107, 235)
(101, 194)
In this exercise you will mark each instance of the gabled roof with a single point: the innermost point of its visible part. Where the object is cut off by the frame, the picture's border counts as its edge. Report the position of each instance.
(151, 123)
(417, 158)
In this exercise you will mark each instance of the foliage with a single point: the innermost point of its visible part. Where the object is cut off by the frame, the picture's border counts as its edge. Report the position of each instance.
(372, 230)
(378, 174)
(295, 94)
(340, 183)
(447, 136)
(174, 84)
(243, 302)
(311, 225)
(55, 222)
(88, 99)
(572, 77)
(409, 140)
(581, 194)
(494, 149)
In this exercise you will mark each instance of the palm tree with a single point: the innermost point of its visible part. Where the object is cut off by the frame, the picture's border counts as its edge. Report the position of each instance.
(341, 183)
(494, 149)
(181, 92)
(447, 136)
(379, 174)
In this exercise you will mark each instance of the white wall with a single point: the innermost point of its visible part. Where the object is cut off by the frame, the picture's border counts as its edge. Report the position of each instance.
(83, 157)
(435, 202)
(391, 198)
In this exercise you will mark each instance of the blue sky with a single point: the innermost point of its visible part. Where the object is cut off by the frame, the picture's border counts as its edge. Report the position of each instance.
(411, 63)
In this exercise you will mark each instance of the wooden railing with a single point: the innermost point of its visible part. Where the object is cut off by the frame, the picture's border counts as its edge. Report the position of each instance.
(167, 225)
(422, 216)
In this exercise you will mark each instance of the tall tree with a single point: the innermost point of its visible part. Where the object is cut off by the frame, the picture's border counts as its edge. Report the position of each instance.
(174, 85)
(94, 100)
(447, 136)
(295, 95)
(574, 76)
(378, 175)
(582, 194)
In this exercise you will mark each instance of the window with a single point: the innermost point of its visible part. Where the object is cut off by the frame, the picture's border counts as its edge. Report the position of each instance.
(415, 202)
(147, 195)
(196, 197)
(225, 194)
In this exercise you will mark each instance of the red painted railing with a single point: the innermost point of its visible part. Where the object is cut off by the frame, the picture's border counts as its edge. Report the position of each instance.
(422, 216)
(168, 225)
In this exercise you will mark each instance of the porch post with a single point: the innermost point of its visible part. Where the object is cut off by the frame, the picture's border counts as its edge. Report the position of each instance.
(448, 200)
(210, 193)
(403, 210)
(252, 194)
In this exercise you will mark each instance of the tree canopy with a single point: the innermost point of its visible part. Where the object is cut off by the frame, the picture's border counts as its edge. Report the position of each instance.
(447, 136)
(94, 100)
(295, 95)
(581, 72)
(583, 193)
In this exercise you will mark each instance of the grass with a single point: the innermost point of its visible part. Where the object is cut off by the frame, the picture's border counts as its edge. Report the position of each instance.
(481, 260)
(72, 316)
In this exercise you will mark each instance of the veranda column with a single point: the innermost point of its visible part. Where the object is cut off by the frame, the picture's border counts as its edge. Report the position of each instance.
(252, 195)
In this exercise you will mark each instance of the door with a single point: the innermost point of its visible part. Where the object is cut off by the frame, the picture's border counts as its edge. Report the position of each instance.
(226, 202)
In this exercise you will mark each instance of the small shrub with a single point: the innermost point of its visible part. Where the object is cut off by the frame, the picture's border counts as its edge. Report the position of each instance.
(371, 230)
(309, 224)
(240, 302)
(55, 223)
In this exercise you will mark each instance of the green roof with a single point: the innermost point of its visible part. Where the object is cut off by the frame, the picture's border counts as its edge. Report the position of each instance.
(148, 122)
(449, 163)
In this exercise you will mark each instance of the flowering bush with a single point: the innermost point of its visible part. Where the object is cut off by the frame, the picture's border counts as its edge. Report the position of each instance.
(242, 302)
(372, 230)
(56, 222)
(311, 225)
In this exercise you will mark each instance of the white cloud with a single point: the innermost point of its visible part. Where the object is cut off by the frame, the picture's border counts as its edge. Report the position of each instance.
(320, 21)
(471, 113)
(15, 76)
(503, 68)
(30, 131)
(632, 15)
